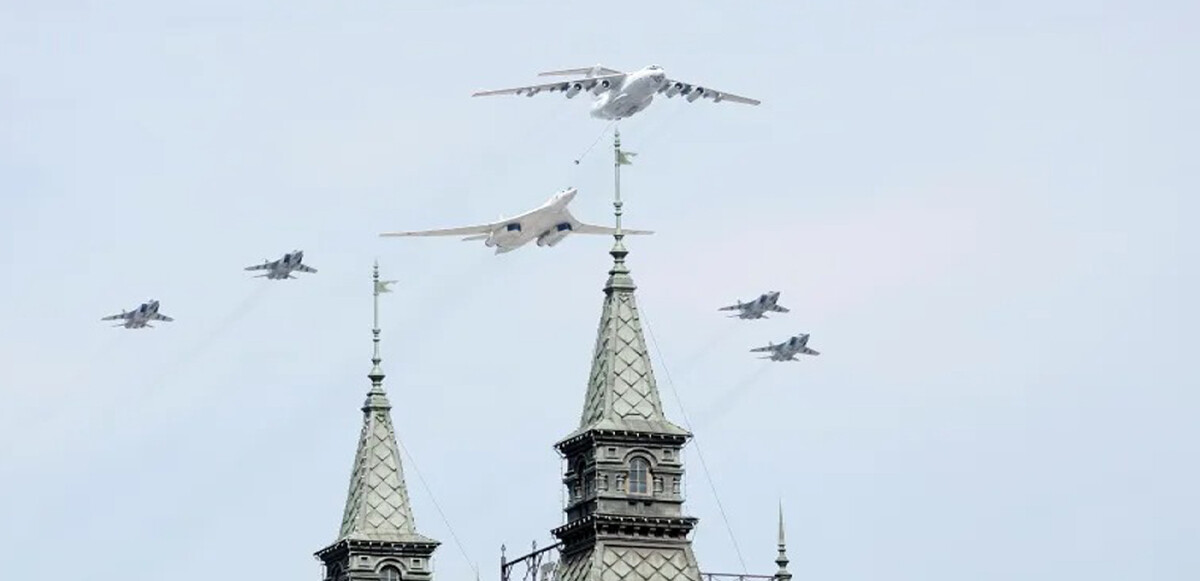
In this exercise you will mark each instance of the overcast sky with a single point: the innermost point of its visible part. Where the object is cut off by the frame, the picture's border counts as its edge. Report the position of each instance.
(976, 212)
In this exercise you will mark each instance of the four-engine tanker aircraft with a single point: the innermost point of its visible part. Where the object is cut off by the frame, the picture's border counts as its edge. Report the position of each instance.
(282, 268)
(548, 224)
(139, 317)
(757, 308)
(619, 95)
(787, 350)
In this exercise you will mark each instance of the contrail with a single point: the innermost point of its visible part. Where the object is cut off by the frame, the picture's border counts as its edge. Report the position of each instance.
(731, 398)
(119, 412)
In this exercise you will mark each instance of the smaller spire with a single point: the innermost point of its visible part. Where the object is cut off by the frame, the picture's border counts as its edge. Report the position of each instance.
(782, 560)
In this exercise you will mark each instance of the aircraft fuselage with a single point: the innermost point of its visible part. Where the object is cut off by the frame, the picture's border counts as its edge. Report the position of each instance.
(549, 224)
(634, 94)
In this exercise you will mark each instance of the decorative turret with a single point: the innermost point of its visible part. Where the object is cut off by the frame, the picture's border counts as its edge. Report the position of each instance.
(378, 539)
(624, 475)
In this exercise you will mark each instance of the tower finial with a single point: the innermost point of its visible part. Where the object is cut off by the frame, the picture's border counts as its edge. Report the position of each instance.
(782, 560)
(619, 275)
(376, 398)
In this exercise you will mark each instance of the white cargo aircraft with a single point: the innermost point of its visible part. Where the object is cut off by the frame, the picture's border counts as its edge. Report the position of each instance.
(620, 95)
(548, 224)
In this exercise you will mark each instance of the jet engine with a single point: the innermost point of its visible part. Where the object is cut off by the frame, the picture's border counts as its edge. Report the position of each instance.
(674, 89)
(601, 87)
(554, 235)
(695, 94)
(573, 90)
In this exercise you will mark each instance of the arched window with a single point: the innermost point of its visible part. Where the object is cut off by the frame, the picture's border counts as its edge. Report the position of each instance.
(639, 476)
(389, 573)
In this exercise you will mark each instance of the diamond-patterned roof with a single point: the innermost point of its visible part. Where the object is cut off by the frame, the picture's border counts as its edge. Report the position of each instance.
(377, 507)
(622, 393)
(607, 562)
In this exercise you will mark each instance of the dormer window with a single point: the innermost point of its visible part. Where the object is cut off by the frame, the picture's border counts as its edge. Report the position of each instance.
(639, 476)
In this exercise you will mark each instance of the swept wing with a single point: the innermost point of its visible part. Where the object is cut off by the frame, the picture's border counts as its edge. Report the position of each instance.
(464, 231)
(685, 88)
(585, 84)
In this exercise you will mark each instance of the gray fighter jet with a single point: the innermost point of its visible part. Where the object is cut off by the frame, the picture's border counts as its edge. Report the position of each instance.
(282, 268)
(139, 317)
(787, 350)
(757, 308)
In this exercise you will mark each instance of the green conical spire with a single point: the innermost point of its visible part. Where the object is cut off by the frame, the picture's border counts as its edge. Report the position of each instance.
(377, 506)
(622, 392)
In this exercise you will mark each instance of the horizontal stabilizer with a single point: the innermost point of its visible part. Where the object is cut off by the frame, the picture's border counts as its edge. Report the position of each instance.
(592, 71)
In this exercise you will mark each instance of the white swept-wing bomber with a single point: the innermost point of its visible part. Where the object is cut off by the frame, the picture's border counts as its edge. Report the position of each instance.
(757, 308)
(549, 224)
(787, 350)
(282, 268)
(140, 317)
(619, 95)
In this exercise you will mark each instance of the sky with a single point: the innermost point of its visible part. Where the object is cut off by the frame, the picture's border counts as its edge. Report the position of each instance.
(976, 211)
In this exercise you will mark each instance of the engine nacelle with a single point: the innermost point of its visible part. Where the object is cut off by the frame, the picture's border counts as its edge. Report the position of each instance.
(554, 235)
(601, 87)
(695, 94)
(574, 89)
(674, 89)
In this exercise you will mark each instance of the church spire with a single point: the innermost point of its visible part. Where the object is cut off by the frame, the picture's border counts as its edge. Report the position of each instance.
(378, 536)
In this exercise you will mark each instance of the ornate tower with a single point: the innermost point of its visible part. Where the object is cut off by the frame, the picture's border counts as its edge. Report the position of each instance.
(624, 473)
(378, 540)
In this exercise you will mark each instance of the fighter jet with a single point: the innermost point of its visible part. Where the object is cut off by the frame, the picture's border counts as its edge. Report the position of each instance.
(787, 350)
(548, 224)
(139, 317)
(757, 308)
(282, 268)
(619, 95)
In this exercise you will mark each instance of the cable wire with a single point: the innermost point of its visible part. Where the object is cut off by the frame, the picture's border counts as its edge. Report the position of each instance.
(445, 520)
(695, 440)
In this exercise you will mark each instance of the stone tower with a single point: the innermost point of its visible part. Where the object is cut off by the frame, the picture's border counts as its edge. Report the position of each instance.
(378, 540)
(624, 472)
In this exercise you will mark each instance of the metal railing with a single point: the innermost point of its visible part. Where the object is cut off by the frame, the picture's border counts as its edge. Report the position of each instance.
(539, 565)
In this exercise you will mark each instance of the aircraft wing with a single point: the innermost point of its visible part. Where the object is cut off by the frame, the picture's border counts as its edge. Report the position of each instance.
(767, 349)
(731, 308)
(715, 95)
(464, 231)
(120, 317)
(809, 351)
(162, 317)
(581, 228)
(263, 266)
(779, 309)
(560, 86)
(305, 268)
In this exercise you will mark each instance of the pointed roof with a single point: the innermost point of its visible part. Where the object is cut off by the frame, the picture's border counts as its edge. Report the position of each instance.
(782, 559)
(622, 393)
(377, 507)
